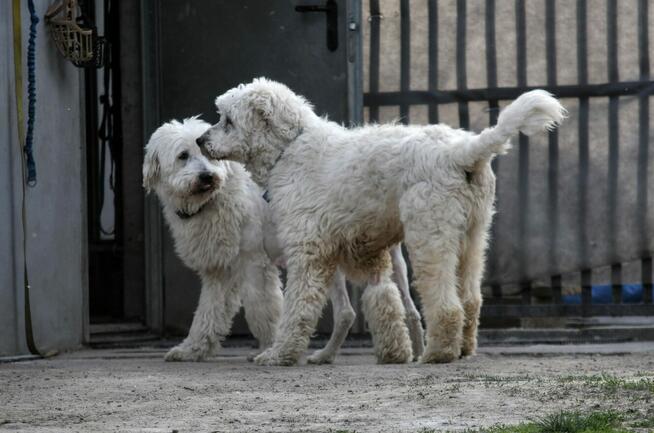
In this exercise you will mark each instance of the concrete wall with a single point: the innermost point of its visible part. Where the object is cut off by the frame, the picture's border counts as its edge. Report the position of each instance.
(56, 227)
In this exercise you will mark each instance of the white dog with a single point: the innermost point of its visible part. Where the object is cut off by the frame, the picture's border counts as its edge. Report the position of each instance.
(190, 184)
(217, 215)
(342, 196)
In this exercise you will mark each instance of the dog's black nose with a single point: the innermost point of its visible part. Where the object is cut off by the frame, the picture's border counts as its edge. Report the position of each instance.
(200, 141)
(206, 178)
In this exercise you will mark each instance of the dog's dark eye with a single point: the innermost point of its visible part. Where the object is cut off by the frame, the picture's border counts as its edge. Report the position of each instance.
(228, 122)
(183, 156)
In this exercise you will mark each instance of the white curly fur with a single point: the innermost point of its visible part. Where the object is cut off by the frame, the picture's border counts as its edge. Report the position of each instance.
(219, 235)
(341, 197)
(343, 313)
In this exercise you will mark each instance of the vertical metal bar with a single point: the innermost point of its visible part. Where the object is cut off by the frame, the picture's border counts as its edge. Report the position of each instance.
(553, 153)
(405, 57)
(614, 148)
(646, 277)
(375, 18)
(493, 112)
(616, 283)
(586, 290)
(461, 80)
(432, 6)
(521, 45)
(153, 237)
(526, 292)
(643, 152)
(582, 78)
(523, 147)
(582, 72)
(556, 283)
(354, 63)
(491, 58)
(496, 291)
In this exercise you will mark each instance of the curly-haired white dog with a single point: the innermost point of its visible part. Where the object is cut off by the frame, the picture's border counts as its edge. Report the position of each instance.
(217, 215)
(342, 196)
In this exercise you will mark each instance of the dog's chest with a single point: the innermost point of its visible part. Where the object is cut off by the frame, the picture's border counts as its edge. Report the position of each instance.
(208, 240)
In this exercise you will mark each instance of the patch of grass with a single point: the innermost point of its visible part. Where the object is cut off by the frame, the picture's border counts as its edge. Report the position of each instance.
(614, 383)
(576, 422)
(643, 423)
(488, 378)
(561, 422)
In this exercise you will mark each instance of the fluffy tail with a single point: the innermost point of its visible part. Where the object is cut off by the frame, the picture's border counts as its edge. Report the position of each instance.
(532, 112)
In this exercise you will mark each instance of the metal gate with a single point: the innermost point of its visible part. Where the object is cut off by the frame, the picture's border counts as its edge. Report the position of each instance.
(573, 207)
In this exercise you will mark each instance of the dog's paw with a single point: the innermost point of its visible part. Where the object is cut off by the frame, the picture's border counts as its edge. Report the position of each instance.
(469, 348)
(400, 355)
(321, 357)
(439, 357)
(181, 353)
(271, 357)
(252, 355)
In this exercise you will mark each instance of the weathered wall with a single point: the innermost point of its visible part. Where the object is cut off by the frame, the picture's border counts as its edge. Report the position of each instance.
(55, 207)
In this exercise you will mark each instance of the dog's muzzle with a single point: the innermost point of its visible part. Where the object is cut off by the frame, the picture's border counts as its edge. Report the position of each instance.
(206, 178)
(206, 182)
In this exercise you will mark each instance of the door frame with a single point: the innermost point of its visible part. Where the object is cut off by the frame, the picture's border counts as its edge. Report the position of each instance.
(153, 224)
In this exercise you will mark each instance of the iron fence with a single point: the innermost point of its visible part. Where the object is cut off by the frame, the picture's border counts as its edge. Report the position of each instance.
(595, 244)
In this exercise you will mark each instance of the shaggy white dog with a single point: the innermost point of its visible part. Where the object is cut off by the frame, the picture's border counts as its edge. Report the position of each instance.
(217, 217)
(341, 197)
(218, 220)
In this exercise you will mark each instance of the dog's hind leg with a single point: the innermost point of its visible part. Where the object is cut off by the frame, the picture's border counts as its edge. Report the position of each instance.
(211, 323)
(344, 316)
(262, 299)
(433, 235)
(413, 319)
(306, 293)
(384, 312)
(471, 272)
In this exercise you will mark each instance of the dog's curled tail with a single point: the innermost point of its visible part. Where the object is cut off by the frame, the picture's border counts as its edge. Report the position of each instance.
(532, 112)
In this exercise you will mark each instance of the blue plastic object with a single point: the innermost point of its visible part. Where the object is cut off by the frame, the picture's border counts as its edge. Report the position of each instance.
(603, 294)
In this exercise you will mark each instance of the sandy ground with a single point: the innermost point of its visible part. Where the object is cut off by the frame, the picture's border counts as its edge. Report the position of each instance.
(133, 390)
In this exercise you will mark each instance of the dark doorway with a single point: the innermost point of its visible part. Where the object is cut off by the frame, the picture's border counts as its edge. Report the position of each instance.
(114, 193)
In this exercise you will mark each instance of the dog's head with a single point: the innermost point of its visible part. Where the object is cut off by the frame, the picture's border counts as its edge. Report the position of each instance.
(174, 167)
(257, 121)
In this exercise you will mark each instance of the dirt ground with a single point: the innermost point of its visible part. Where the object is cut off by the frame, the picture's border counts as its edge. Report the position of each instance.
(133, 390)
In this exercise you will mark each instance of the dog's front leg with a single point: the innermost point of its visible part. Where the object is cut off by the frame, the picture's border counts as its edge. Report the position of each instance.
(211, 323)
(303, 302)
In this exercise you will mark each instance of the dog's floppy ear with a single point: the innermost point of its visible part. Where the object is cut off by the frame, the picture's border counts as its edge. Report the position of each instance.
(280, 112)
(151, 169)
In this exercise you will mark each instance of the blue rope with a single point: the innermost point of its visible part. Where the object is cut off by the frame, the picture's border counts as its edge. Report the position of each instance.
(31, 95)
